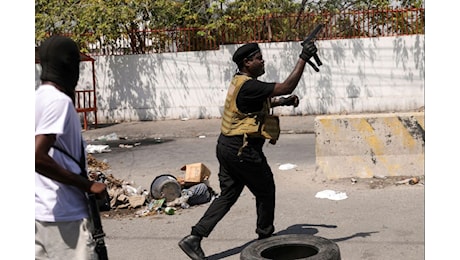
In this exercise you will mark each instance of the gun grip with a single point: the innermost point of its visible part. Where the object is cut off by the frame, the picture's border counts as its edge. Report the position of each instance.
(313, 65)
(318, 61)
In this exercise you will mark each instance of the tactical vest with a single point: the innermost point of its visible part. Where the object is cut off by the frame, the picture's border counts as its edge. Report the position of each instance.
(258, 124)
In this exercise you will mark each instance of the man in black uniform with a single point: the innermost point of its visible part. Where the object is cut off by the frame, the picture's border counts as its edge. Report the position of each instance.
(246, 124)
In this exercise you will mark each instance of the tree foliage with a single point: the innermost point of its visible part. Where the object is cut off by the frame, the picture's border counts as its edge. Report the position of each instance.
(129, 24)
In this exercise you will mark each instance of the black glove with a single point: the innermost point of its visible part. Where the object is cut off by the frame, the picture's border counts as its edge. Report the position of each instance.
(292, 100)
(309, 49)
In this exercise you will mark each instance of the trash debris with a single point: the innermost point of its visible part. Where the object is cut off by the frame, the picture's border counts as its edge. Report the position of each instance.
(194, 195)
(182, 201)
(136, 201)
(95, 166)
(109, 137)
(411, 181)
(195, 173)
(165, 186)
(354, 180)
(93, 148)
(332, 195)
(153, 207)
(287, 166)
(126, 195)
(129, 145)
(170, 210)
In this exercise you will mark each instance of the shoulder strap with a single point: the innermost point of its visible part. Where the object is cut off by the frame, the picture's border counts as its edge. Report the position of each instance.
(80, 163)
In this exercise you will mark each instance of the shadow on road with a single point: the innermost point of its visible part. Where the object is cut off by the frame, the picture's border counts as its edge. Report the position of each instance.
(306, 229)
(294, 229)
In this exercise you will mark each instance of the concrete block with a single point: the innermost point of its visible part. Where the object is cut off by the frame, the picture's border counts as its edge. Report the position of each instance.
(368, 145)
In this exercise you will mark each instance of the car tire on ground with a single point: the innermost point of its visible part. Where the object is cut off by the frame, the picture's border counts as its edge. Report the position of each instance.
(290, 247)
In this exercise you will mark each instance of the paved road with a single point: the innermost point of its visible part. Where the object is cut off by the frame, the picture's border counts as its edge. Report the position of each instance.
(381, 224)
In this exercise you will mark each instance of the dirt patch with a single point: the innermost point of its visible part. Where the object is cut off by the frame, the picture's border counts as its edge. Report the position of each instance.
(131, 213)
(380, 182)
(119, 213)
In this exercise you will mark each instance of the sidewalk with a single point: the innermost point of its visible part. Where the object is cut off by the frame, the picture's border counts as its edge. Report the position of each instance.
(188, 128)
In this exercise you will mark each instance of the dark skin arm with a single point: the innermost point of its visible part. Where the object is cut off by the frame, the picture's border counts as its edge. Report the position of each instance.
(254, 67)
(46, 166)
(291, 82)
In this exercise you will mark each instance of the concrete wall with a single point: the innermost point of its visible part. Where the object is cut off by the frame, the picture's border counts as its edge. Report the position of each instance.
(368, 145)
(358, 76)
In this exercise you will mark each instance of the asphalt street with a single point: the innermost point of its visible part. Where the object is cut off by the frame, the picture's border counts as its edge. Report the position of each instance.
(381, 223)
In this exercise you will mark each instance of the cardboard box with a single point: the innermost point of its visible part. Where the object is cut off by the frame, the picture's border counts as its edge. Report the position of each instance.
(196, 173)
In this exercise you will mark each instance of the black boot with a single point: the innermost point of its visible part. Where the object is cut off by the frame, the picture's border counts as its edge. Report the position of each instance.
(191, 246)
(265, 236)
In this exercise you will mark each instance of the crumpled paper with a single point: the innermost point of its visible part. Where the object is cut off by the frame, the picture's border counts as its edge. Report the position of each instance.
(92, 148)
(287, 166)
(332, 195)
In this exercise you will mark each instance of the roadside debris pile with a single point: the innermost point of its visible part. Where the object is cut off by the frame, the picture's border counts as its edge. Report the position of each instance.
(167, 193)
(122, 194)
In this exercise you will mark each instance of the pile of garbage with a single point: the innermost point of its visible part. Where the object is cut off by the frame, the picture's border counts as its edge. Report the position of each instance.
(167, 193)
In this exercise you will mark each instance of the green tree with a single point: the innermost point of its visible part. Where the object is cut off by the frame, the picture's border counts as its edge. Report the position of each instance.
(125, 26)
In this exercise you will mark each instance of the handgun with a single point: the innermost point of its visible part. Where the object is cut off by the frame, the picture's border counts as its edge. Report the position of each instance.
(311, 37)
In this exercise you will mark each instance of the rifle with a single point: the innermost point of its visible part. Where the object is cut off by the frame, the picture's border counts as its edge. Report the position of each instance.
(311, 37)
(97, 232)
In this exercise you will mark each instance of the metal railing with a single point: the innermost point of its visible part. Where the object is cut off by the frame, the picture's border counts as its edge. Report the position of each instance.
(270, 28)
(86, 103)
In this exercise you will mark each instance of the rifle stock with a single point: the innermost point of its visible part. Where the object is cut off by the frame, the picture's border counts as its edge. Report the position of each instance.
(93, 206)
(98, 232)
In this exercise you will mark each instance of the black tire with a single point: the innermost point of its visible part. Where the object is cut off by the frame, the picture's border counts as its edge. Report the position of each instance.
(290, 247)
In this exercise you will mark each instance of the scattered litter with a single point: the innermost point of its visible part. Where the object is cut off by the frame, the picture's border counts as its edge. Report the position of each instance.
(129, 145)
(184, 118)
(195, 173)
(411, 181)
(354, 180)
(131, 191)
(165, 186)
(136, 201)
(201, 136)
(287, 166)
(109, 137)
(194, 195)
(156, 204)
(332, 195)
(170, 210)
(153, 207)
(93, 148)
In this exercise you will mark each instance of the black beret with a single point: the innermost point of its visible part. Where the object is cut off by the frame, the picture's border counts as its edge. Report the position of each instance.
(245, 51)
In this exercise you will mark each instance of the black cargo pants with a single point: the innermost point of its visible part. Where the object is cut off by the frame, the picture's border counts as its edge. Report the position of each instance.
(250, 169)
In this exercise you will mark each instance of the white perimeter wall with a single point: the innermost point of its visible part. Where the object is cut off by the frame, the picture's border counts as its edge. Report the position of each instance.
(357, 76)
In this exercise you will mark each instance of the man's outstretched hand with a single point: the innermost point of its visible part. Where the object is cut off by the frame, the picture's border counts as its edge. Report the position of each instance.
(309, 49)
